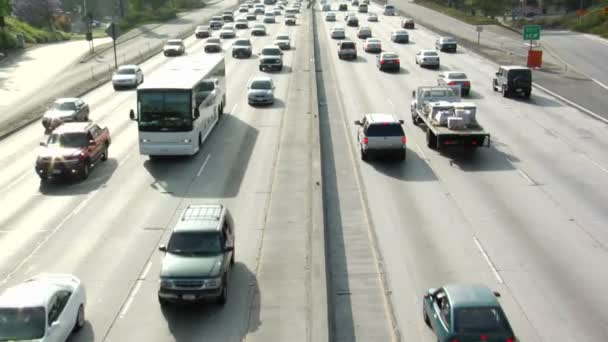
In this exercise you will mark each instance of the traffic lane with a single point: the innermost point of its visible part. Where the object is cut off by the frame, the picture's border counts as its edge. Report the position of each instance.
(248, 202)
(399, 197)
(402, 104)
(580, 50)
(133, 145)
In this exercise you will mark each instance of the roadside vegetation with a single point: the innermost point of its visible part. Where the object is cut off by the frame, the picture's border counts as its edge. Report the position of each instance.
(468, 11)
(594, 22)
(150, 11)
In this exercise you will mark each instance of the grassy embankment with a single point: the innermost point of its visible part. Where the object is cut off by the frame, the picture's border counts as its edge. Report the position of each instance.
(32, 35)
(164, 13)
(595, 22)
(462, 14)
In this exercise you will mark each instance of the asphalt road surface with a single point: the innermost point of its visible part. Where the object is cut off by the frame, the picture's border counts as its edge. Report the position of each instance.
(106, 229)
(534, 203)
(527, 216)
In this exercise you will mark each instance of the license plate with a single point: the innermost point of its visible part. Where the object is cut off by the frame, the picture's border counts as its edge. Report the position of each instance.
(518, 89)
(56, 172)
(188, 297)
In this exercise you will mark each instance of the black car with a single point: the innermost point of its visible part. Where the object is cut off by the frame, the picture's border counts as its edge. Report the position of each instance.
(513, 80)
(343, 7)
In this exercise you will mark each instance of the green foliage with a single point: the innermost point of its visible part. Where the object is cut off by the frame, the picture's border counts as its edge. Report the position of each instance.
(5, 8)
(184, 4)
(32, 35)
(462, 13)
(148, 15)
(595, 22)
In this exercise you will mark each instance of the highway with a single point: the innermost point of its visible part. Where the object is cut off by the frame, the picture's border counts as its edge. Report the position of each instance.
(527, 217)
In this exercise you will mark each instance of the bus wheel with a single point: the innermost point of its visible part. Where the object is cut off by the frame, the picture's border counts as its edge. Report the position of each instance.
(200, 142)
(221, 110)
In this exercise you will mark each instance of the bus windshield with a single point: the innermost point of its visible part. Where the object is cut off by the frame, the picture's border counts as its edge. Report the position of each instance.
(168, 111)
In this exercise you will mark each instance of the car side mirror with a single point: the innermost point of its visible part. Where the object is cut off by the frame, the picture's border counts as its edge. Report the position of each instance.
(42, 143)
(91, 142)
(497, 74)
(358, 123)
(162, 248)
(430, 293)
(413, 93)
(401, 122)
(497, 294)
(228, 249)
(132, 115)
(54, 324)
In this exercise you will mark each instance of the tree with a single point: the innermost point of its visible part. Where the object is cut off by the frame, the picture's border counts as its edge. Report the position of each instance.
(490, 7)
(37, 12)
(5, 7)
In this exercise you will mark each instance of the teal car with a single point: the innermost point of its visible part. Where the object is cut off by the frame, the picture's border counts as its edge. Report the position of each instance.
(466, 313)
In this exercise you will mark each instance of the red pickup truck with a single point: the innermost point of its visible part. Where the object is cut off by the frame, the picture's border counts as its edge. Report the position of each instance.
(73, 149)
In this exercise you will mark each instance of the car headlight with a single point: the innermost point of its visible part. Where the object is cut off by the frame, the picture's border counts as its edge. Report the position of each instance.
(187, 141)
(144, 140)
(212, 283)
(166, 283)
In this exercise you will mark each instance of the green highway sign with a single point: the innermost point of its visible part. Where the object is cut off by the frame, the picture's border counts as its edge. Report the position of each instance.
(531, 32)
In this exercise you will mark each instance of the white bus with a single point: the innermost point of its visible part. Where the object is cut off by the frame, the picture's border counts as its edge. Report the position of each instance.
(178, 107)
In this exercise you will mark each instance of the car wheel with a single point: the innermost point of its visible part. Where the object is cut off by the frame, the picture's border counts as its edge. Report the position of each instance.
(425, 316)
(142, 80)
(261, 69)
(80, 319)
(163, 302)
(402, 155)
(221, 109)
(431, 140)
(364, 155)
(223, 298)
(86, 168)
(527, 95)
(115, 87)
(505, 92)
(104, 156)
(415, 119)
(233, 256)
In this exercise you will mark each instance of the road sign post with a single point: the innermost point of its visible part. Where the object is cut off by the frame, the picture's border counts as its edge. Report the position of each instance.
(113, 31)
(531, 33)
(479, 30)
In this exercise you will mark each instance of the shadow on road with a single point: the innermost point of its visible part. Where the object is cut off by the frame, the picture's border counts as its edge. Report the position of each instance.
(71, 186)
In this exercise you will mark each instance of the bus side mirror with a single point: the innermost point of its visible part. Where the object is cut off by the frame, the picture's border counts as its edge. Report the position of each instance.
(413, 93)
(197, 113)
(132, 114)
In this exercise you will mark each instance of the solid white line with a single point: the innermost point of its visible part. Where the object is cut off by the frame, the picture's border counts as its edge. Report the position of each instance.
(526, 177)
(124, 160)
(146, 270)
(125, 308)
(485, 256)
(233, 110)
(17, 180)
(577, 106)
(43, 242)
(200, 171)
(421, 152)
(600, 83)
(83, 203)
(597, 164)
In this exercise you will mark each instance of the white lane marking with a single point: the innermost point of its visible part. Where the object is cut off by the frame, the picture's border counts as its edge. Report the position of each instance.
(600, 83)
(575, 105)
(127, 305)
(596, 164)
(488, 261)
(526, 177)
(391, 103)
(14, 182)
(233, 110)
(46, 239)
(146, 270)
(200, 171)
(125, 159)
(421, 151)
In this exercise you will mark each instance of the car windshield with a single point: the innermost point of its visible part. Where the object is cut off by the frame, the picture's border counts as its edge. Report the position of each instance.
(384, 130)
(243, 42)
(171, 42)
(457, 76)
(449, 40)
(207, 85)
(64, 105)
(261, 85)
(70, 140)
(389, 7)
(283, 37)
(201, 28)
(194, 243)
(168, 111)
(480, 320)
(271, 52)
(22, 324)
(430, 53)
(347, 45)
(390, 56)
(127, 71)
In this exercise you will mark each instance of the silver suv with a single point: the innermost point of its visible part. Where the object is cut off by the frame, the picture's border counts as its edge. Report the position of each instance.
(199, 256)
(381, 134)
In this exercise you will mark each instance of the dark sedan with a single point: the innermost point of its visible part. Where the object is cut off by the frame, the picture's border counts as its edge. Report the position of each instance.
(388, 61)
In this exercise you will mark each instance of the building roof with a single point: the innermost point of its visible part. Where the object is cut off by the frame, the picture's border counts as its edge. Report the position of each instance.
(200, 217)
(183, 74)
(470, 296)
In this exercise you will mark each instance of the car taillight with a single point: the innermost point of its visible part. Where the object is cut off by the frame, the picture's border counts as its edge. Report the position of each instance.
(467, 83)
(365, 140)
(455, 340)
(510, 339)
(382, 61)
(452, 83)
(397, 61)
(483, 337)
(404, 140)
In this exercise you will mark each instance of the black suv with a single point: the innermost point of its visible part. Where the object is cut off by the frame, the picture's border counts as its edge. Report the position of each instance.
(343, 7)
(199, 256)
(513, 80)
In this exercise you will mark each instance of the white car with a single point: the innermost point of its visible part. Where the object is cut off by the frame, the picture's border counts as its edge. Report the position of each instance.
(331, 16)
(283, 41)
(338, 32)
(269, 18)
(260, 91)
(127, 76)
(174, 47)
(326, 8)
(46, 308)
(428, 58)
(227, 31)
